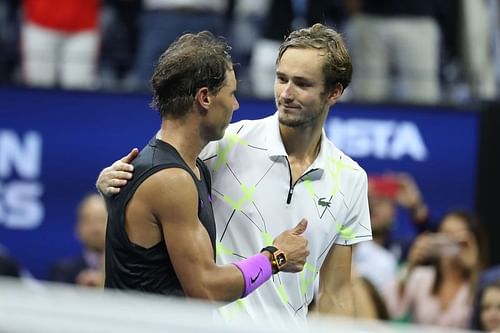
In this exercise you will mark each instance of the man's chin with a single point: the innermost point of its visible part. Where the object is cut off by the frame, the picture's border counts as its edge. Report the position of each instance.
(290, 121)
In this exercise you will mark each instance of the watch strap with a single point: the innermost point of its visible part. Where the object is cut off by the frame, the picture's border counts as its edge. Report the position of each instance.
(270, 249)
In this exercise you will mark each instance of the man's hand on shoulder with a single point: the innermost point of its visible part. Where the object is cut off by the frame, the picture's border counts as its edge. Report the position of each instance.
(114, 177)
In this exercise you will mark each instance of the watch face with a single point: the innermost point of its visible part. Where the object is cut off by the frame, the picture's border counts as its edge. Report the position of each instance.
(280, 259)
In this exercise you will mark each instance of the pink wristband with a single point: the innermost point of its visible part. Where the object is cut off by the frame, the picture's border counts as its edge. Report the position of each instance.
(256, 270)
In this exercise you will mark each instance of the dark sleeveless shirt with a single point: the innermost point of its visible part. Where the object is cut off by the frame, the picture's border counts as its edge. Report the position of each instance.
(130, 266)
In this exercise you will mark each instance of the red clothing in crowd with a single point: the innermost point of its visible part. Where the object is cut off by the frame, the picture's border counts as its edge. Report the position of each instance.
(63, 15)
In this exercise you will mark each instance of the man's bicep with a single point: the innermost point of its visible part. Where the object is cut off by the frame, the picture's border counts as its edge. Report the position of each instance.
(336, 269)
(187, 240)
(175, 206)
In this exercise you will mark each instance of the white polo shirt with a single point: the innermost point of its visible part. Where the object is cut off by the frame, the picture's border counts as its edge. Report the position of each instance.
(254, 200)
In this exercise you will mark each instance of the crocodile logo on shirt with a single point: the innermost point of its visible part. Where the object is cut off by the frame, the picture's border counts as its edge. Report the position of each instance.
(324, 203)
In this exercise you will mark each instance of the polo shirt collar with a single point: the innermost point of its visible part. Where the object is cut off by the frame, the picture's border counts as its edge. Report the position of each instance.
(276, 147)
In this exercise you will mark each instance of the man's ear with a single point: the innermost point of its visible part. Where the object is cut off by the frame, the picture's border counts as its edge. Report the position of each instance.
(203, 98)
(335, 93)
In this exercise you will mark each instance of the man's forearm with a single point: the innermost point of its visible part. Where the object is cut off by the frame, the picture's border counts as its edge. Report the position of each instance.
(337, 302)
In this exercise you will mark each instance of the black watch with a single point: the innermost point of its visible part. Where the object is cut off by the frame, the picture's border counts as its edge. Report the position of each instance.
(279, 260)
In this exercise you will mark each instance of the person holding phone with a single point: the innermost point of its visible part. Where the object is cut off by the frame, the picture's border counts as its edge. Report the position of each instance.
(442, 272)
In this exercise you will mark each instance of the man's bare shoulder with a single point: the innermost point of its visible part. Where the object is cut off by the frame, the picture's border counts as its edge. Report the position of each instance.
(169, 188)
(171, 176)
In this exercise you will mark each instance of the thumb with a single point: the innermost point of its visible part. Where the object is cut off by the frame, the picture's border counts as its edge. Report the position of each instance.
(300, 227)
(131, 156)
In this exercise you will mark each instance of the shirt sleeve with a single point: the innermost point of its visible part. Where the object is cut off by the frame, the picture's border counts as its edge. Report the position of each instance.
(357, 226)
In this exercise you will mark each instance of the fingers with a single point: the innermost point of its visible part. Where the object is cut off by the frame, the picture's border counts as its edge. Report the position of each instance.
(120, 177)
(121, 166)
(116, 182)
(297, 263)
(112, 190)
(112, 178)
(300, 227)
(295, 246)
(115, 179)
(110, 181)
(131, 156)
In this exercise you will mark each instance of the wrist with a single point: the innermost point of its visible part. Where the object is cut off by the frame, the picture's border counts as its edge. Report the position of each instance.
(255, 270)
(277, 258)
(270, 257)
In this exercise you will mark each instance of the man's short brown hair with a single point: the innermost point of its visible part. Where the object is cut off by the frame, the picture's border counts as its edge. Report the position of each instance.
(191, 62)
(337, 67)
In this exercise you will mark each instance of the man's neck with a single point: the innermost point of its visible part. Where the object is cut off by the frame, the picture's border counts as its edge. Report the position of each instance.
(302, 146)
(300, 143)
(184, 137)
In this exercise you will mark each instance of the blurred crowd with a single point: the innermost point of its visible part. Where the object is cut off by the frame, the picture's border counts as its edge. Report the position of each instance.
(84, 269)
(440, 277)
(422, 51)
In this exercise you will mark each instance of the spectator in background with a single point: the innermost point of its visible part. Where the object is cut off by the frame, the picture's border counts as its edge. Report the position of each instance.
(443, 269)
(8, 265)
(400, 37)
(9, 36)
(161, 21)
(60, 42)
(490, 308)
(86, 268)
(119, 32)
(245, 21)
(477, 40)
(368, 301)
(487, 278)
(377, 260)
